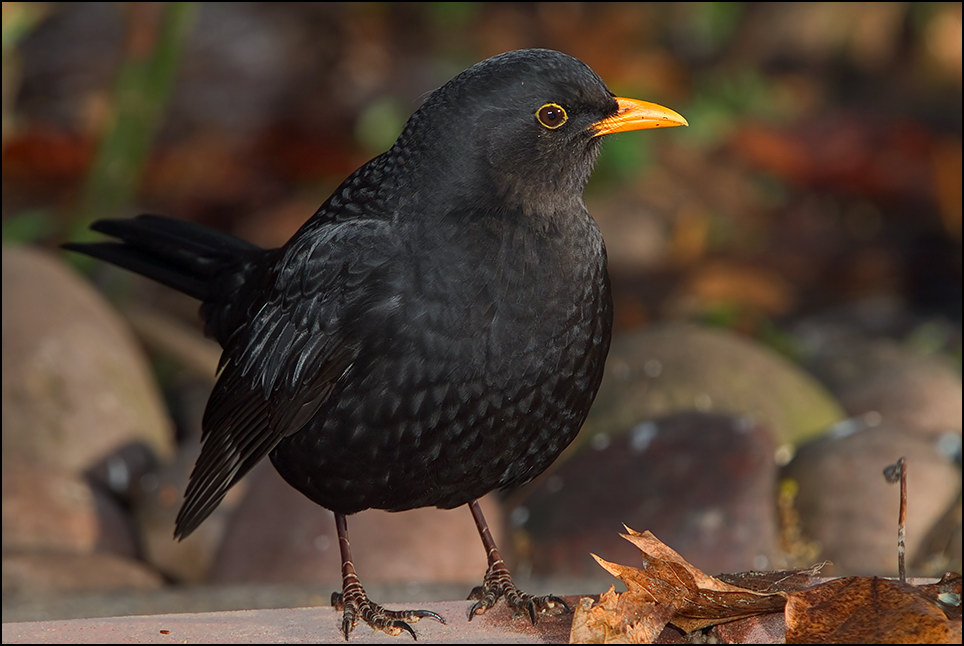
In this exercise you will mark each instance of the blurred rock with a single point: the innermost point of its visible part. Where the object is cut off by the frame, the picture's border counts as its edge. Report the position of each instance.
(770, 628)
(878, 375)
(847, 507)
(157, 499)
(674, 367)
(46, 509)
(76, 386)
(278, 535)
(876, 315)
(940, 550)
(38, 572)
(121, 471)
(703, 484)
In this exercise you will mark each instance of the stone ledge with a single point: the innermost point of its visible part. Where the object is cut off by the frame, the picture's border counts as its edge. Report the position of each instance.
(294, 625)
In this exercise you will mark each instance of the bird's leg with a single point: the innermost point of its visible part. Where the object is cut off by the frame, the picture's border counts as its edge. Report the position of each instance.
(498, 582)
(354, 601)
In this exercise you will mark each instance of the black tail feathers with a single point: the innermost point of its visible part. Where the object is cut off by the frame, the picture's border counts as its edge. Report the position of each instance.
(183, 255)
(209, 265)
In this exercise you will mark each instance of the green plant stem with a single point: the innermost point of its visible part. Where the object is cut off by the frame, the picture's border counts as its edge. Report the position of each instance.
(141, 94)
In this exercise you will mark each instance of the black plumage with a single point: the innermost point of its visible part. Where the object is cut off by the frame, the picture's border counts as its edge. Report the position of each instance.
(435, 331)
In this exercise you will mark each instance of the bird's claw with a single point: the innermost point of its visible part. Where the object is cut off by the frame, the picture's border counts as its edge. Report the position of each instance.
(360, 607)
(498, 584)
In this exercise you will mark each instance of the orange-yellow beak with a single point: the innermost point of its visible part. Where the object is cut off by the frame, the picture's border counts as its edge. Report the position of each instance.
(637, 115)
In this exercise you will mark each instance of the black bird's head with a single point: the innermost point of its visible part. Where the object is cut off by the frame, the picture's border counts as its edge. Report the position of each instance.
(522, 129)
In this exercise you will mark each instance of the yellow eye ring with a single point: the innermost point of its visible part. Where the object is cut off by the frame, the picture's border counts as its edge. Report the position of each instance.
(551, 115)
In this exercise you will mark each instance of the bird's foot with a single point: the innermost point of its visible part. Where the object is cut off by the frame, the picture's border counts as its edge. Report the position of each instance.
(498, 584)
(356, 605)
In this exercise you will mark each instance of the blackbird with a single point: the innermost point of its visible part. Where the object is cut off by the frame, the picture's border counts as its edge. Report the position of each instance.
(435, 331)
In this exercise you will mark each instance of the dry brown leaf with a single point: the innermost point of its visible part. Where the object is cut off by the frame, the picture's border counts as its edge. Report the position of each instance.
(868, 610)
(597, 623)
(669, 588)
(946, 593)
(775, 581)
(700, 600)
(617, 619)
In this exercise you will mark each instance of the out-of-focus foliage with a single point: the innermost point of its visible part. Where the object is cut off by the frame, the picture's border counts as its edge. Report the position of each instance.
(140, 94)
(824, 147)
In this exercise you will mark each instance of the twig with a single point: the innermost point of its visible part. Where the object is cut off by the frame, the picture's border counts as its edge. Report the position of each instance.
(893, 473)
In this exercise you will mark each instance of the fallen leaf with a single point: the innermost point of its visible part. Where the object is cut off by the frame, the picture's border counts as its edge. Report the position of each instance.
(699, 599)
(669, 589)
(946, 593)
(618, 619)
(776, 581)
(762, 629)
(868, 610)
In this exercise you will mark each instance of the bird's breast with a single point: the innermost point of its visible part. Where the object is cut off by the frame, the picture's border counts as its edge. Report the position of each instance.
(505, 294)
(476, 377)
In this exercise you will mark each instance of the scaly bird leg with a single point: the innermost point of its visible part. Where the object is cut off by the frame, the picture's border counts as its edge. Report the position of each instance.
(498, 582)
(354, 601)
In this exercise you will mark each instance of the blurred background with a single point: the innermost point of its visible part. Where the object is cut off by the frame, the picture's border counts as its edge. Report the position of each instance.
(787, 274)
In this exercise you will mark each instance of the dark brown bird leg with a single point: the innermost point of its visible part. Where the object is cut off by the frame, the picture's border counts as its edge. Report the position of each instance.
(354, 601)
(498, 582)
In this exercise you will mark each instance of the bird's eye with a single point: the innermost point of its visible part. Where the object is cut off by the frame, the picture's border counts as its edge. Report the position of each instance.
(552, 115)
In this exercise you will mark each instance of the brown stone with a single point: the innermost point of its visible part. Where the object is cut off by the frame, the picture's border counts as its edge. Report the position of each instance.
(850, 511)
(76, 385)
(879, 376)
(37, 572)
(703, 484)
(157, 500)
(47, 509)
(675, 368)
(278, 535)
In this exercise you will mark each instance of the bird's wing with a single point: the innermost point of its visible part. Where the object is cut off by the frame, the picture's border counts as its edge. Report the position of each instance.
(280, 366)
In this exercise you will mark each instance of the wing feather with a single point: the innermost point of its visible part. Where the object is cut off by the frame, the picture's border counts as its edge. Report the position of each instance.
(280, 368)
